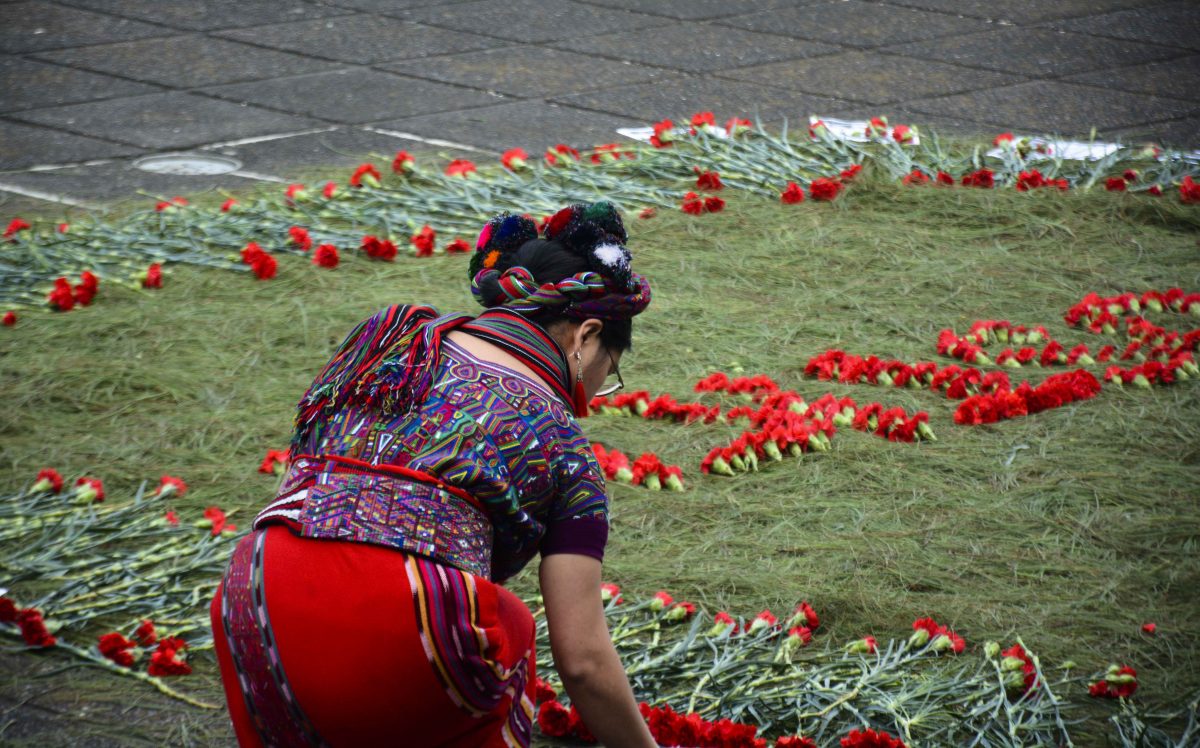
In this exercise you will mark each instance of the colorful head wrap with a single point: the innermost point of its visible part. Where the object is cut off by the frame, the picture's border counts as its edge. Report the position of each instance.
(608, 290)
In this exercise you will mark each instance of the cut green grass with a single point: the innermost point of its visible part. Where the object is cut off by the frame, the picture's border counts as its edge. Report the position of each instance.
(1071, 527)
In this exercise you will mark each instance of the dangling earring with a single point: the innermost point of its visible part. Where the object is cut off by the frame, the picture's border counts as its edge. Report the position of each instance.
(581, 401)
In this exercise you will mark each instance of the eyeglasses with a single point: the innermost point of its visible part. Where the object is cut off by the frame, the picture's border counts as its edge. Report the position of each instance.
(609, 389)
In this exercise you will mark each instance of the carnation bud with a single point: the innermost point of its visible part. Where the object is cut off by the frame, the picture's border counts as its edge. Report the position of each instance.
(85, 494)
(1068, 665)
(860, 646)
(677, 614)
(1012, 663)
(1014, 681)
(772, 450)
(991, 650)
(919, 638)
(623, 475)
(660, 601)
(43, 485)
(721, 467)
(941, 643)
(720, 629)
(926, 432)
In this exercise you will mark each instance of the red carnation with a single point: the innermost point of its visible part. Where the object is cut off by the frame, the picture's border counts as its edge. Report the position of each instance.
(459, 245)
(10, 318)
(561, 151)
(1114, 184)
(47, 479)
(33, 628)
(61, 298)
(170, 486)
(848, 175)
(610, 592)
(1155, 190)
(647, 213)
(172, 518)
(215, 519)
(379, 249)
(365, 173)
(708, 180)
(326, 256)
(329, 190)
(736, 126)
(1149, 628)
(89, 489)
(165, 660)
(515, 159)
(275, 461)
(871, 739)
(984, 178)
(792, 195)
(664, 134)
(299, 236)
(423, 241)
(294, 192)
(579, 729)
(8, 610)
(543, 691)
(693, 204)
(713, 205)
(1189, 191)
(553, 719)
(703, 121)
(460, 167)
(14, 226)
(115, 647)
(167, 205)
(823, 188)
(945, 179)
(916, 176)
(63, 228)
(152, 278)
(85, 291)
(264, 266)
(403, 163)
(145, 634)
(795, 741)
(228, 205)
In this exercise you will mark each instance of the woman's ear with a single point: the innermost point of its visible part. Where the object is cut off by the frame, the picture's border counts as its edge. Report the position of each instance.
(587, 330)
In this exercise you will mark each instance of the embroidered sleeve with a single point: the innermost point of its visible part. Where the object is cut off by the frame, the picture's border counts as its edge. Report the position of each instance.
(578, 522)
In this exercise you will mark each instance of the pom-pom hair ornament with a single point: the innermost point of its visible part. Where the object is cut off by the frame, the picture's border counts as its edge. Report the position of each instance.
(607, 290)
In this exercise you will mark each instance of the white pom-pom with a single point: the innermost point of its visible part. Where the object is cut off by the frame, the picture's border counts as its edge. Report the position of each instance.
(612, 255)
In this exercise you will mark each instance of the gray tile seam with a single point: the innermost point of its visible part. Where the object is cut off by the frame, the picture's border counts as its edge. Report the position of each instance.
(168, 86)
(177, 29)
(396, 15)
(67, 4)
(838, 49)
(39, 125)
(538, 43)
(1106, 37)
(852, 100)
(912, 56)
(1010, 23)
(371, 68)
(29, 57)
(507, 99)
(722, 21)
(667, 17)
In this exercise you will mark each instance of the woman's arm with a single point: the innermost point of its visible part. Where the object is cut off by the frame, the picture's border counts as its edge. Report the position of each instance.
(583, 652)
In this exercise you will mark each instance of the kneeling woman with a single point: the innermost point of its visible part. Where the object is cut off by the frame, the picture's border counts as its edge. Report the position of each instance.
(433, 457)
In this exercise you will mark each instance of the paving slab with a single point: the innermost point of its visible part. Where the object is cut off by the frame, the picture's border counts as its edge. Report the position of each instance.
(679, 98)
(355, 95)
(1055, 107)
(533, 20)
(1179, 78)
(165, 120)
(386, 7)
(23, 146)
(697, 47)
(212, 14)
(1037, 52)
(28, 84)
(532, 125)
(872, 77)
(1021, 11)
(120, 180)
(361, 39)
(345, 147)
(27, 27)
(13, 206)
(187, 61)
(527, 70)
(1177, 24)
(856, 24)
(697, 10)
(1179, 133)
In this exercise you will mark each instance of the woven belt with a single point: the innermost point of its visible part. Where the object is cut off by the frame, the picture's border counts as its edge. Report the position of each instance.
(343, 499)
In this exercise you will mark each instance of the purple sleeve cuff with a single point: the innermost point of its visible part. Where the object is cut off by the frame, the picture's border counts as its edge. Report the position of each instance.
(585, 536)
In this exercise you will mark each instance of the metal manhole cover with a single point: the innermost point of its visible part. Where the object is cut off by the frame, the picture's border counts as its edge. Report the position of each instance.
(188, 164)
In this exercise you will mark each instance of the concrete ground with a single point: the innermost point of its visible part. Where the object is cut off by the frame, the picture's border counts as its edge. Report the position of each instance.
(288, 85)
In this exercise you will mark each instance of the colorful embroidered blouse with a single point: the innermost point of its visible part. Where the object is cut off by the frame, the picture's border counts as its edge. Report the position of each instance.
(512, 472)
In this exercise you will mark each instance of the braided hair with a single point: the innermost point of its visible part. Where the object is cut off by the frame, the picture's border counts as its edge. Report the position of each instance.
(579, 270)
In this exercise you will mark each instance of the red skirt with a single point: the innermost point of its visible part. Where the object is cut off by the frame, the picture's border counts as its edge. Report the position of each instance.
(337, 643)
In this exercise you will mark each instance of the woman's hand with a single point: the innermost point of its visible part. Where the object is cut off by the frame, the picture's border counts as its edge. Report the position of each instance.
(583, 652)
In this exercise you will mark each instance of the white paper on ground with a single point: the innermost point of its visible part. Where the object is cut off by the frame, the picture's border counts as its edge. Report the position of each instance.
(1072, 150)
(855, 130)
(643, 133)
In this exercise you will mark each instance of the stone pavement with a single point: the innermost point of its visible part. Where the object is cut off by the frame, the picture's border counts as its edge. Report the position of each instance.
(284, 86)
